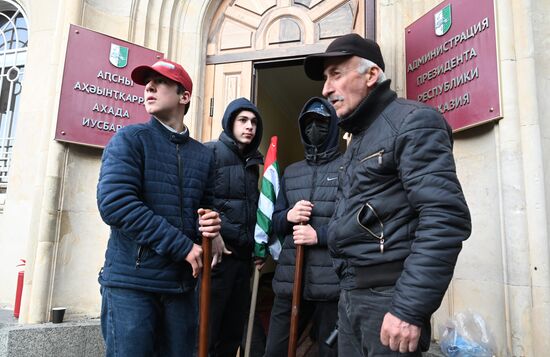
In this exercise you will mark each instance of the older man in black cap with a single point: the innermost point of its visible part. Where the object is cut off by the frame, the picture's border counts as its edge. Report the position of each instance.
(401, 215)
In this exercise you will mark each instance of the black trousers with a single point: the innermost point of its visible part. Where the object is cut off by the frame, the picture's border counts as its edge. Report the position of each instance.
(323, 315)
(229, 305)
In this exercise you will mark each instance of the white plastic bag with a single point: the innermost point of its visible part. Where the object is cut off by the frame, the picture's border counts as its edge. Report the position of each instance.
(466, 335)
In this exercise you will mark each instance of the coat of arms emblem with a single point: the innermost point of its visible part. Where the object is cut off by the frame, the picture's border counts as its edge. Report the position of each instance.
(443, 20)
(118, 56)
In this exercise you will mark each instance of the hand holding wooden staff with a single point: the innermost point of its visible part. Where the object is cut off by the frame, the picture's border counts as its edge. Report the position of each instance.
(300, 213)
(209, 226)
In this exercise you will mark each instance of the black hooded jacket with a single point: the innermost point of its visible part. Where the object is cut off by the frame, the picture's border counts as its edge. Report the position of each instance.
(236, 181)
(401, 215)
(314, 179)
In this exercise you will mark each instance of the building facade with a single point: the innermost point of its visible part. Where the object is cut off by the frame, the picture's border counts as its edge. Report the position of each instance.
(251, 48)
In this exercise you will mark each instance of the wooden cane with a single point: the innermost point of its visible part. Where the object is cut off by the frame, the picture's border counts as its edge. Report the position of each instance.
(296, 297)
(205, 296)
(250, 327)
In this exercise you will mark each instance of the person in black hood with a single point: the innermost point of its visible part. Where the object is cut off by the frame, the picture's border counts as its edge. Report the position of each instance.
(303, 208)
(236, 193)
(400, 217)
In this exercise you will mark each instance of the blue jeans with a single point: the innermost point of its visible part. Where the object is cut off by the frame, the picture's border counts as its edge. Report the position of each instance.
(138, 323)
(360, 316)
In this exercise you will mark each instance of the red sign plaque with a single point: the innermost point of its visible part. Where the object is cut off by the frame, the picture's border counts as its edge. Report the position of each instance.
(452, 62)
(98, 96)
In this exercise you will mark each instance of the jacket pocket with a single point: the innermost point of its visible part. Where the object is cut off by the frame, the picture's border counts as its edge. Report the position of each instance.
(378, 156)
(370, 222)
(141, 255)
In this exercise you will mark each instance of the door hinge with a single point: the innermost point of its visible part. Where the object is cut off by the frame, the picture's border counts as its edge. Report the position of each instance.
(211, 107)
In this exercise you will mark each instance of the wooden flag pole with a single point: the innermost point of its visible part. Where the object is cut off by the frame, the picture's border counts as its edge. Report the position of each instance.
(252, 312)
(205, 296)
(296, 297)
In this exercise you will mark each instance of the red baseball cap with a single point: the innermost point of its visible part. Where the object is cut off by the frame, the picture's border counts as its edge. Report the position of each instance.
(166, 68)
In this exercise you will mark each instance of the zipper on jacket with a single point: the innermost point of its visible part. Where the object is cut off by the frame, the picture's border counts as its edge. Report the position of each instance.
(380, 236)
(180, 183)
(313, 189)
(376, 154)
(246, 198)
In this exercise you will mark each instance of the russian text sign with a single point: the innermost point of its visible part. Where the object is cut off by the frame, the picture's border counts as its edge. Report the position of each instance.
(98, 96)
(452, 62)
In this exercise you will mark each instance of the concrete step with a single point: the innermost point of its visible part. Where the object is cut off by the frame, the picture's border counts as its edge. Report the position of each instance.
(67, 339)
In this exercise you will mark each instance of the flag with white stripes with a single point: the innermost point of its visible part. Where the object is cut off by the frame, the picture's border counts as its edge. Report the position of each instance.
(266, 204)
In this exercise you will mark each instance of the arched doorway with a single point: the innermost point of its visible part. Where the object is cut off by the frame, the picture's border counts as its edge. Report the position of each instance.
(255, 49)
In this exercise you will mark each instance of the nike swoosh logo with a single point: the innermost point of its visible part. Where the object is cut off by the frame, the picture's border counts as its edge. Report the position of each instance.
(331, 178)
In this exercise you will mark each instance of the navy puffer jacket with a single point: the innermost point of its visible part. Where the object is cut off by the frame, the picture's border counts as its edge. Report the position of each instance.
(152, 182)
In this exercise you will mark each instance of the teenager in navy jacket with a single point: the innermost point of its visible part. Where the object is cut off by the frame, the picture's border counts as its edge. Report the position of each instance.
(154, 185)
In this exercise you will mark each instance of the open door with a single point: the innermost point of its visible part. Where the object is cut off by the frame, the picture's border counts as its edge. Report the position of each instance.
(224, 83)
(281, 90)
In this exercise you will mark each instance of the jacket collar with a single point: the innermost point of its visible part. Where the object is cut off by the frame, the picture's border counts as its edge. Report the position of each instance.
(173, 137)
(251, 157)
(369, 109)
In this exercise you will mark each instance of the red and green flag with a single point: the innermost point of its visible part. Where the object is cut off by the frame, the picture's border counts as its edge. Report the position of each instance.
(263, 233)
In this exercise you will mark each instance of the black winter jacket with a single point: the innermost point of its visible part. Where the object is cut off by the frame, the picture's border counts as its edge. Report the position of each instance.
(236, 182)
(401, 215)
(316, 180)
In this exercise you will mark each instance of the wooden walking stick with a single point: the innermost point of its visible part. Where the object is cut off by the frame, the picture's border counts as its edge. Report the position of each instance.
(204, 307)
(296, 297)
(252, 312)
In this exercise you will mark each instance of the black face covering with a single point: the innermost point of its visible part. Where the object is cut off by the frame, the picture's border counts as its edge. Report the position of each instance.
(316, 132)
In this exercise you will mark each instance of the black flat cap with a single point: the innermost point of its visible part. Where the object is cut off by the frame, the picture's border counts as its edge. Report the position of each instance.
(348, 45)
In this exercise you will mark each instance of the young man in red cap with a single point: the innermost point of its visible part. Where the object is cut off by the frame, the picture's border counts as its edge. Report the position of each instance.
(155, 183)
(400, 217)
